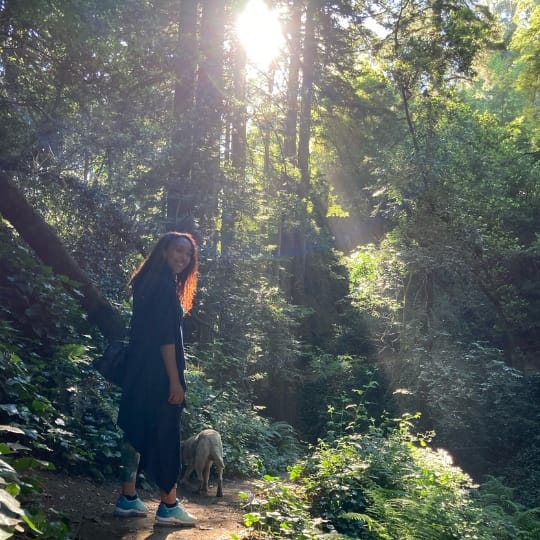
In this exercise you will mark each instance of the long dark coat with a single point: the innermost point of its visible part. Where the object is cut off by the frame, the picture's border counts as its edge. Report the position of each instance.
(149, 422)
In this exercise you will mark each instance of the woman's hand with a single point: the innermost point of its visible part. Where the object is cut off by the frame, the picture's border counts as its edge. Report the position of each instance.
(176, 390)
(176, 393)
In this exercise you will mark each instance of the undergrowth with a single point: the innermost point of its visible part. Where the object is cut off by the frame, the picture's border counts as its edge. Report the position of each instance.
(386, 484)
(253, 445)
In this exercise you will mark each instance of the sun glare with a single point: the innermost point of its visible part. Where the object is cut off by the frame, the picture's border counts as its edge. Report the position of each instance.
(259, 31)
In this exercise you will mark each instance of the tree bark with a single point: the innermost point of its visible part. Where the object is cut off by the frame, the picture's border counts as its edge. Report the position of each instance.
(304, 136)
(209, 107)
(181, 189)
(291, 119)
(306, 95)
(49, 248)
(288, 232)
(234, 182)
(239, 135)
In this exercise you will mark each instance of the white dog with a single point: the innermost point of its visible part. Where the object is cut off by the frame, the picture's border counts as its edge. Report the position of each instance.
(198, 453)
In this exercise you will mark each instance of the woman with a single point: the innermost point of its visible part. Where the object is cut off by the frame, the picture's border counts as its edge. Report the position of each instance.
(153, 391)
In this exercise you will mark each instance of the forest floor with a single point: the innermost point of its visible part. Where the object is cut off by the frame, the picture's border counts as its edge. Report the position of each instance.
(88, 506)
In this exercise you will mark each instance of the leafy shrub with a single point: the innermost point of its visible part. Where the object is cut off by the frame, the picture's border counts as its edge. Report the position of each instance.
(38, 304)
(512, 519)
(46, 386)
(483, 411)
(332, 378)
(522, 473)
(59, 404)
(390, 484)
(386, 484)
(281, 511)
(252, 445)
(16, 482)
(59, 412)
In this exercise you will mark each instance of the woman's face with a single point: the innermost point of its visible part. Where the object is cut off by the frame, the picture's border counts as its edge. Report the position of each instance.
(178, 254)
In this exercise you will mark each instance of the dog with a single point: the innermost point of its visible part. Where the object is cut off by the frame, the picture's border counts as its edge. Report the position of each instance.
(199, 452)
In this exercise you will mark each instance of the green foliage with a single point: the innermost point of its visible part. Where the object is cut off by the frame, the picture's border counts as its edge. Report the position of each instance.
(266, 344)
(280, 510)
(332, 379)
(39, 304)
(375, 277)
(252, 444)
(522, 471)
(46, 385)
(58, 413)
(99, 234)
(257, 346)
(383, 484)
(512, 519)
(472, 399)
(453, 284)
(57, 402)
(525, 43)
(431, 43)
(17, 481)
(444, 302)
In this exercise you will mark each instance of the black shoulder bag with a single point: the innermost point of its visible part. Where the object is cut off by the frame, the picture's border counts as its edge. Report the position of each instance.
(112, 363)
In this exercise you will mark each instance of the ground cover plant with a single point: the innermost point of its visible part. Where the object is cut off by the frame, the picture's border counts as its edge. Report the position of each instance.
(386, 483)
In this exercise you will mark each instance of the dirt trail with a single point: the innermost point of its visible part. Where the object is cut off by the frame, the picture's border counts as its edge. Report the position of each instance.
(89, 507)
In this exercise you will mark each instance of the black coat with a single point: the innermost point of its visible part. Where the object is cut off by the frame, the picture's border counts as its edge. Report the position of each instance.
(150, 423)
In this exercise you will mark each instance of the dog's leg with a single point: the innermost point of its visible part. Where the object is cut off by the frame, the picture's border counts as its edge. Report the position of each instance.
(187, 473)
(220, 480)
(206, 476)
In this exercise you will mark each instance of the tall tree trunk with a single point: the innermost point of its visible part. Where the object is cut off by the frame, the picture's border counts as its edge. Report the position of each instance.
(181, 190)
(238, 139)
(306, 95)
(291, 119)
(49, 248)
(209, 106)
(304, 136)
(287, 250)
(267, 129)
(235, 180)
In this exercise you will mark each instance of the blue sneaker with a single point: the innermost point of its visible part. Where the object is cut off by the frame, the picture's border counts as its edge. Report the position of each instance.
(127, 508)
(175, 516)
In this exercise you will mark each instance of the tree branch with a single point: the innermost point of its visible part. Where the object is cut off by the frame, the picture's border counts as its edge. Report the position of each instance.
(50, 249)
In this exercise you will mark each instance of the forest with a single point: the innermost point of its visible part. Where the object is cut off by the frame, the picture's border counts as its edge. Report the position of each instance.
(363, 180)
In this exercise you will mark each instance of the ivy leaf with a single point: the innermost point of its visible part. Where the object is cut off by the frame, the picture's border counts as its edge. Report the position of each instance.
(12, 429)
(12, 504)
(10, 409)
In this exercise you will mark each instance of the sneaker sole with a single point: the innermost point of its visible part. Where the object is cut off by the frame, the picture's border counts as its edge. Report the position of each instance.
(120, 512)
(171, 522)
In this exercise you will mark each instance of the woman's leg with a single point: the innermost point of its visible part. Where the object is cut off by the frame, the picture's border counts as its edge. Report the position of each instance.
(128, 503)
(170, 511)
(168, 498)
(129, 467)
